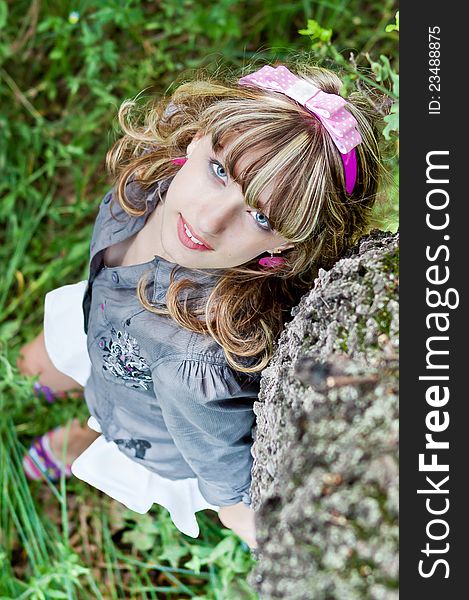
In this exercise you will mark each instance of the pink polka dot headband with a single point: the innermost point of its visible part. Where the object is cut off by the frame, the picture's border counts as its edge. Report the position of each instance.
(328, 108)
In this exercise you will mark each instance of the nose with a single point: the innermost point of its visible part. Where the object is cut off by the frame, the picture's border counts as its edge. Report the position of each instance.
(217, 213)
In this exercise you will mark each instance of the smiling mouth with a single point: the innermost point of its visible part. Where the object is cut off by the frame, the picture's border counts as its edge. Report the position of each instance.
(188, 239)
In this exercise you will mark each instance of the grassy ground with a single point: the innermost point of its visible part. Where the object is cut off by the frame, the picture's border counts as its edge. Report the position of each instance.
(64, 69)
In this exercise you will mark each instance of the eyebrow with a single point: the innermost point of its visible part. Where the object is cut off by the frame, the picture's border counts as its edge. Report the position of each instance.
(219, 152)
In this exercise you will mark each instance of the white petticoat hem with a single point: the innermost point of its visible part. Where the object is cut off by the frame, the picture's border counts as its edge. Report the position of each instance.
(103, 465)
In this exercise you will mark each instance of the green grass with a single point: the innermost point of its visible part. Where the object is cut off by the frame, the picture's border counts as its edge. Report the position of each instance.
(62, 77)
(68, 541)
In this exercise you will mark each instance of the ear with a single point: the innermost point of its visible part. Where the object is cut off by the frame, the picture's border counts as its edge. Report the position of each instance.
(194, 142)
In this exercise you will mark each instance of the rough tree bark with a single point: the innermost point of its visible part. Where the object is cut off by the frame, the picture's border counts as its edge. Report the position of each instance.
(325, 473)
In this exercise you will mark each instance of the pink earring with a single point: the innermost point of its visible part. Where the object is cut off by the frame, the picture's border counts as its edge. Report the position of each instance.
(179, 161)
(270, 262)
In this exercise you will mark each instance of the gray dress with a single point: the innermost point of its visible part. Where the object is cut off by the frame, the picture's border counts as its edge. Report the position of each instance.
(164, 395)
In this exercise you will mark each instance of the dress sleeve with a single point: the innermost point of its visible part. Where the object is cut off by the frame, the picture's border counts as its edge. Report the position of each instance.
(208, 410)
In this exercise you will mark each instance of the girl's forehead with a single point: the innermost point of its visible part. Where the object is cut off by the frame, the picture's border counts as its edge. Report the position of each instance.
(247, 158)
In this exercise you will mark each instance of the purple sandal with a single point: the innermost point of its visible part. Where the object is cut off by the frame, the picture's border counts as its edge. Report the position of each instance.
(40, 461)
(44, 391)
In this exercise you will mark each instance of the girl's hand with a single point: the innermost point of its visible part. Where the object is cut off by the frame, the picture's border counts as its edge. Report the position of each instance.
(240, 519)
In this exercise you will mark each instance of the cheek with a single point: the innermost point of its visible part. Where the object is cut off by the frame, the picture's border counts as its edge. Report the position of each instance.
(174, 194)
(245, 246)
(184, 184)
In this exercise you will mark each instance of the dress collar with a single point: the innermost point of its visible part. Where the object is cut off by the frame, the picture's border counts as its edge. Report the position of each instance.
(162, 278)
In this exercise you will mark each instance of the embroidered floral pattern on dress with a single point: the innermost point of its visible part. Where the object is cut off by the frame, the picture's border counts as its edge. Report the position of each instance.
(121, 356)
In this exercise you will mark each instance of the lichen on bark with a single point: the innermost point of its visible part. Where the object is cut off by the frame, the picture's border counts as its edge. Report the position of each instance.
(325, 472)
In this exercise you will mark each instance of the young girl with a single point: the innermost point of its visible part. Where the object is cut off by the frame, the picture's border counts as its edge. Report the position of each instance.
(227, 199)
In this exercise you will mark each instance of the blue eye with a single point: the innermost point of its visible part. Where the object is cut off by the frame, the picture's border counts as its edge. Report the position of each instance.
(219, 171)
(262, 224)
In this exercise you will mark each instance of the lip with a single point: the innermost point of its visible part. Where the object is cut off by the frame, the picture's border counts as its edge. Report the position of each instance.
(186, 241)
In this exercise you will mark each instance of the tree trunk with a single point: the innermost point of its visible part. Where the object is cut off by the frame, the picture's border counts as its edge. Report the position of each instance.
(325, 473)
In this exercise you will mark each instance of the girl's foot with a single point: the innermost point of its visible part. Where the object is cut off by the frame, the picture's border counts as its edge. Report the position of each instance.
(41, 462)
(45, 456)
(34, 360)
(45, 392)
(77, 440)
